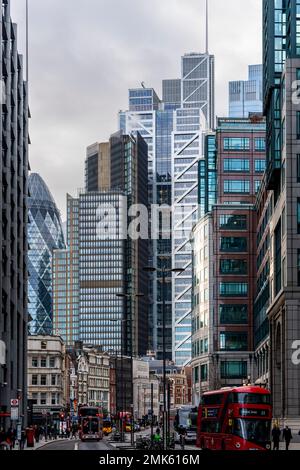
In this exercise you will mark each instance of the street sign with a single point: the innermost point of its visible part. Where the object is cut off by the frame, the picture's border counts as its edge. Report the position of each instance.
(19, 431)
(14, 414)
(14, 402)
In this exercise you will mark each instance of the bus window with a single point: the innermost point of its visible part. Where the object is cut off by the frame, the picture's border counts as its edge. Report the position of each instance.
(252, 430)
(250, 398)
(213, 399)
(210, 426)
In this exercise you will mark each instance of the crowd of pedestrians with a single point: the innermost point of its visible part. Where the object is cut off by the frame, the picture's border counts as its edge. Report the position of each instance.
(34, 434)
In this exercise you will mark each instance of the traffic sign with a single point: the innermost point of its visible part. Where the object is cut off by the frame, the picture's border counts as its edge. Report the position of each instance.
(14, 402)
(14, 414)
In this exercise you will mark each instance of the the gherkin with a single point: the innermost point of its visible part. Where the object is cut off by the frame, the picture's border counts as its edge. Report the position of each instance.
(45, 234)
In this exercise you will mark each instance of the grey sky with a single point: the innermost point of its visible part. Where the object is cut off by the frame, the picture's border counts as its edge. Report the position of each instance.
(84, 55)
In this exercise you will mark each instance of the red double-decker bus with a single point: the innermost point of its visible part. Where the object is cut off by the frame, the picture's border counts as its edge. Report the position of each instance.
(235, 419)
(90, 423)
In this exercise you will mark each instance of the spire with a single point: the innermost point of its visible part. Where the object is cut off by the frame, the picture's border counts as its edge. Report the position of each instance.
(207, 26)
(27, 41)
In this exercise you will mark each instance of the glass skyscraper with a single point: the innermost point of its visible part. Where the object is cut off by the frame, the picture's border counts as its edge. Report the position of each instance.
(246, 97)
(66, 279)
(45, 234)
(154, 120)
(192, 121)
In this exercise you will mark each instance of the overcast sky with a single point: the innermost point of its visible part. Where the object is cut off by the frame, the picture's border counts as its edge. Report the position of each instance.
(84, 55)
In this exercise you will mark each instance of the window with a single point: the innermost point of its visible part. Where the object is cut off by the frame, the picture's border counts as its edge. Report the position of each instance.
(34, 362)
(43, 344)
(233, 222)
(298, 125)
(204, 369)
(231, 341)
(257, 186)
(196, 374)
(43, 362)
(34, 380)
(260, 166)
(53, 379)
(298, 168)
(236, 164)
(236, 314)
(298, 216)
(236, 186)
(233, 266)
(298, 266)
(43, 380)
(43, 398)
(34, 398)
(233, 244)
(52, 361)
(283, 218)
(53, 398)
(278, 260)
(233, 370)
(236, 143)
(233, 289)
(260, 144)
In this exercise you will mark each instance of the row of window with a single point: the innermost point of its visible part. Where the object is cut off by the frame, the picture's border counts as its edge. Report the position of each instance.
(43, 362)
(229, 370)
(243, 165)
(243, 144)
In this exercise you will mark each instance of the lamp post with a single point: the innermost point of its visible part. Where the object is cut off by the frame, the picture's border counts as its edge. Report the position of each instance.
(164, 272)
(125, 320)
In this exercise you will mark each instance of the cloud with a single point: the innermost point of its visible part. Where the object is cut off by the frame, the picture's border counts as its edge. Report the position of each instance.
(85, 55)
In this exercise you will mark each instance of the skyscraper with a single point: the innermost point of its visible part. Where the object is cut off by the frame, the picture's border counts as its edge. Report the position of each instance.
(154, 120)
(65, 271)
(102, 260)
(45, 234)
(14, 216)
(97, 167)
(192, 121)
(246, 97)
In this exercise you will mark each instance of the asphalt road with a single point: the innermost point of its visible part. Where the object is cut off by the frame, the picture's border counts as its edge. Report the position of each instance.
(76, 445)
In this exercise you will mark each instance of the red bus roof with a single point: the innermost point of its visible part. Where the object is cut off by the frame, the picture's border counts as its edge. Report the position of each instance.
(243, 389)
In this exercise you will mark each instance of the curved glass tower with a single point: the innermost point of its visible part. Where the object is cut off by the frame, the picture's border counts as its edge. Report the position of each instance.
(45, 234)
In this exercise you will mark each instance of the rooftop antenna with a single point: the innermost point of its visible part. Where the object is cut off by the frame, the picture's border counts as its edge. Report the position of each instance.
(207, 26)
(143, 85)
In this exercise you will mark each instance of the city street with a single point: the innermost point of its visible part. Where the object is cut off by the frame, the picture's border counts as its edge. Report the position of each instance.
(76, 445)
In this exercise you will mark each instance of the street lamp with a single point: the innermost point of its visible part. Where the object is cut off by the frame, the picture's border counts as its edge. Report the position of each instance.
(164, 272)
(125, 320)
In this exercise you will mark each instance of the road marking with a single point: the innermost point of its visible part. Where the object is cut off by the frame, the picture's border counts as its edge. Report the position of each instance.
(76, 446)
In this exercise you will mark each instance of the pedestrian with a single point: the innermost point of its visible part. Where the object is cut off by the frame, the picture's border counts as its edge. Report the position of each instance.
(23, 439)
(276, 433)
(36, 433)
(287, 436)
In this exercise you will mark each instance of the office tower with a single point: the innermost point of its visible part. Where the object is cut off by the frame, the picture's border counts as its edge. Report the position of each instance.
(97, 167)
(155, 124)
(246, 97)
(192, 121)
(65, 269)
(171, 93)
(14, 215)
(129, 165)
(224, 260)
(102, 260)
(281, 49)
(198, 84)
(45, 234)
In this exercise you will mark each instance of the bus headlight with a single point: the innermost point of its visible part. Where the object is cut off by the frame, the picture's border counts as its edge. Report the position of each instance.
(268, 447)
(237, 445)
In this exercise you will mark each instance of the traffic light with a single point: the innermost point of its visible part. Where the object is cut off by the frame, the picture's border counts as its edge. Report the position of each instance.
(62, 416)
